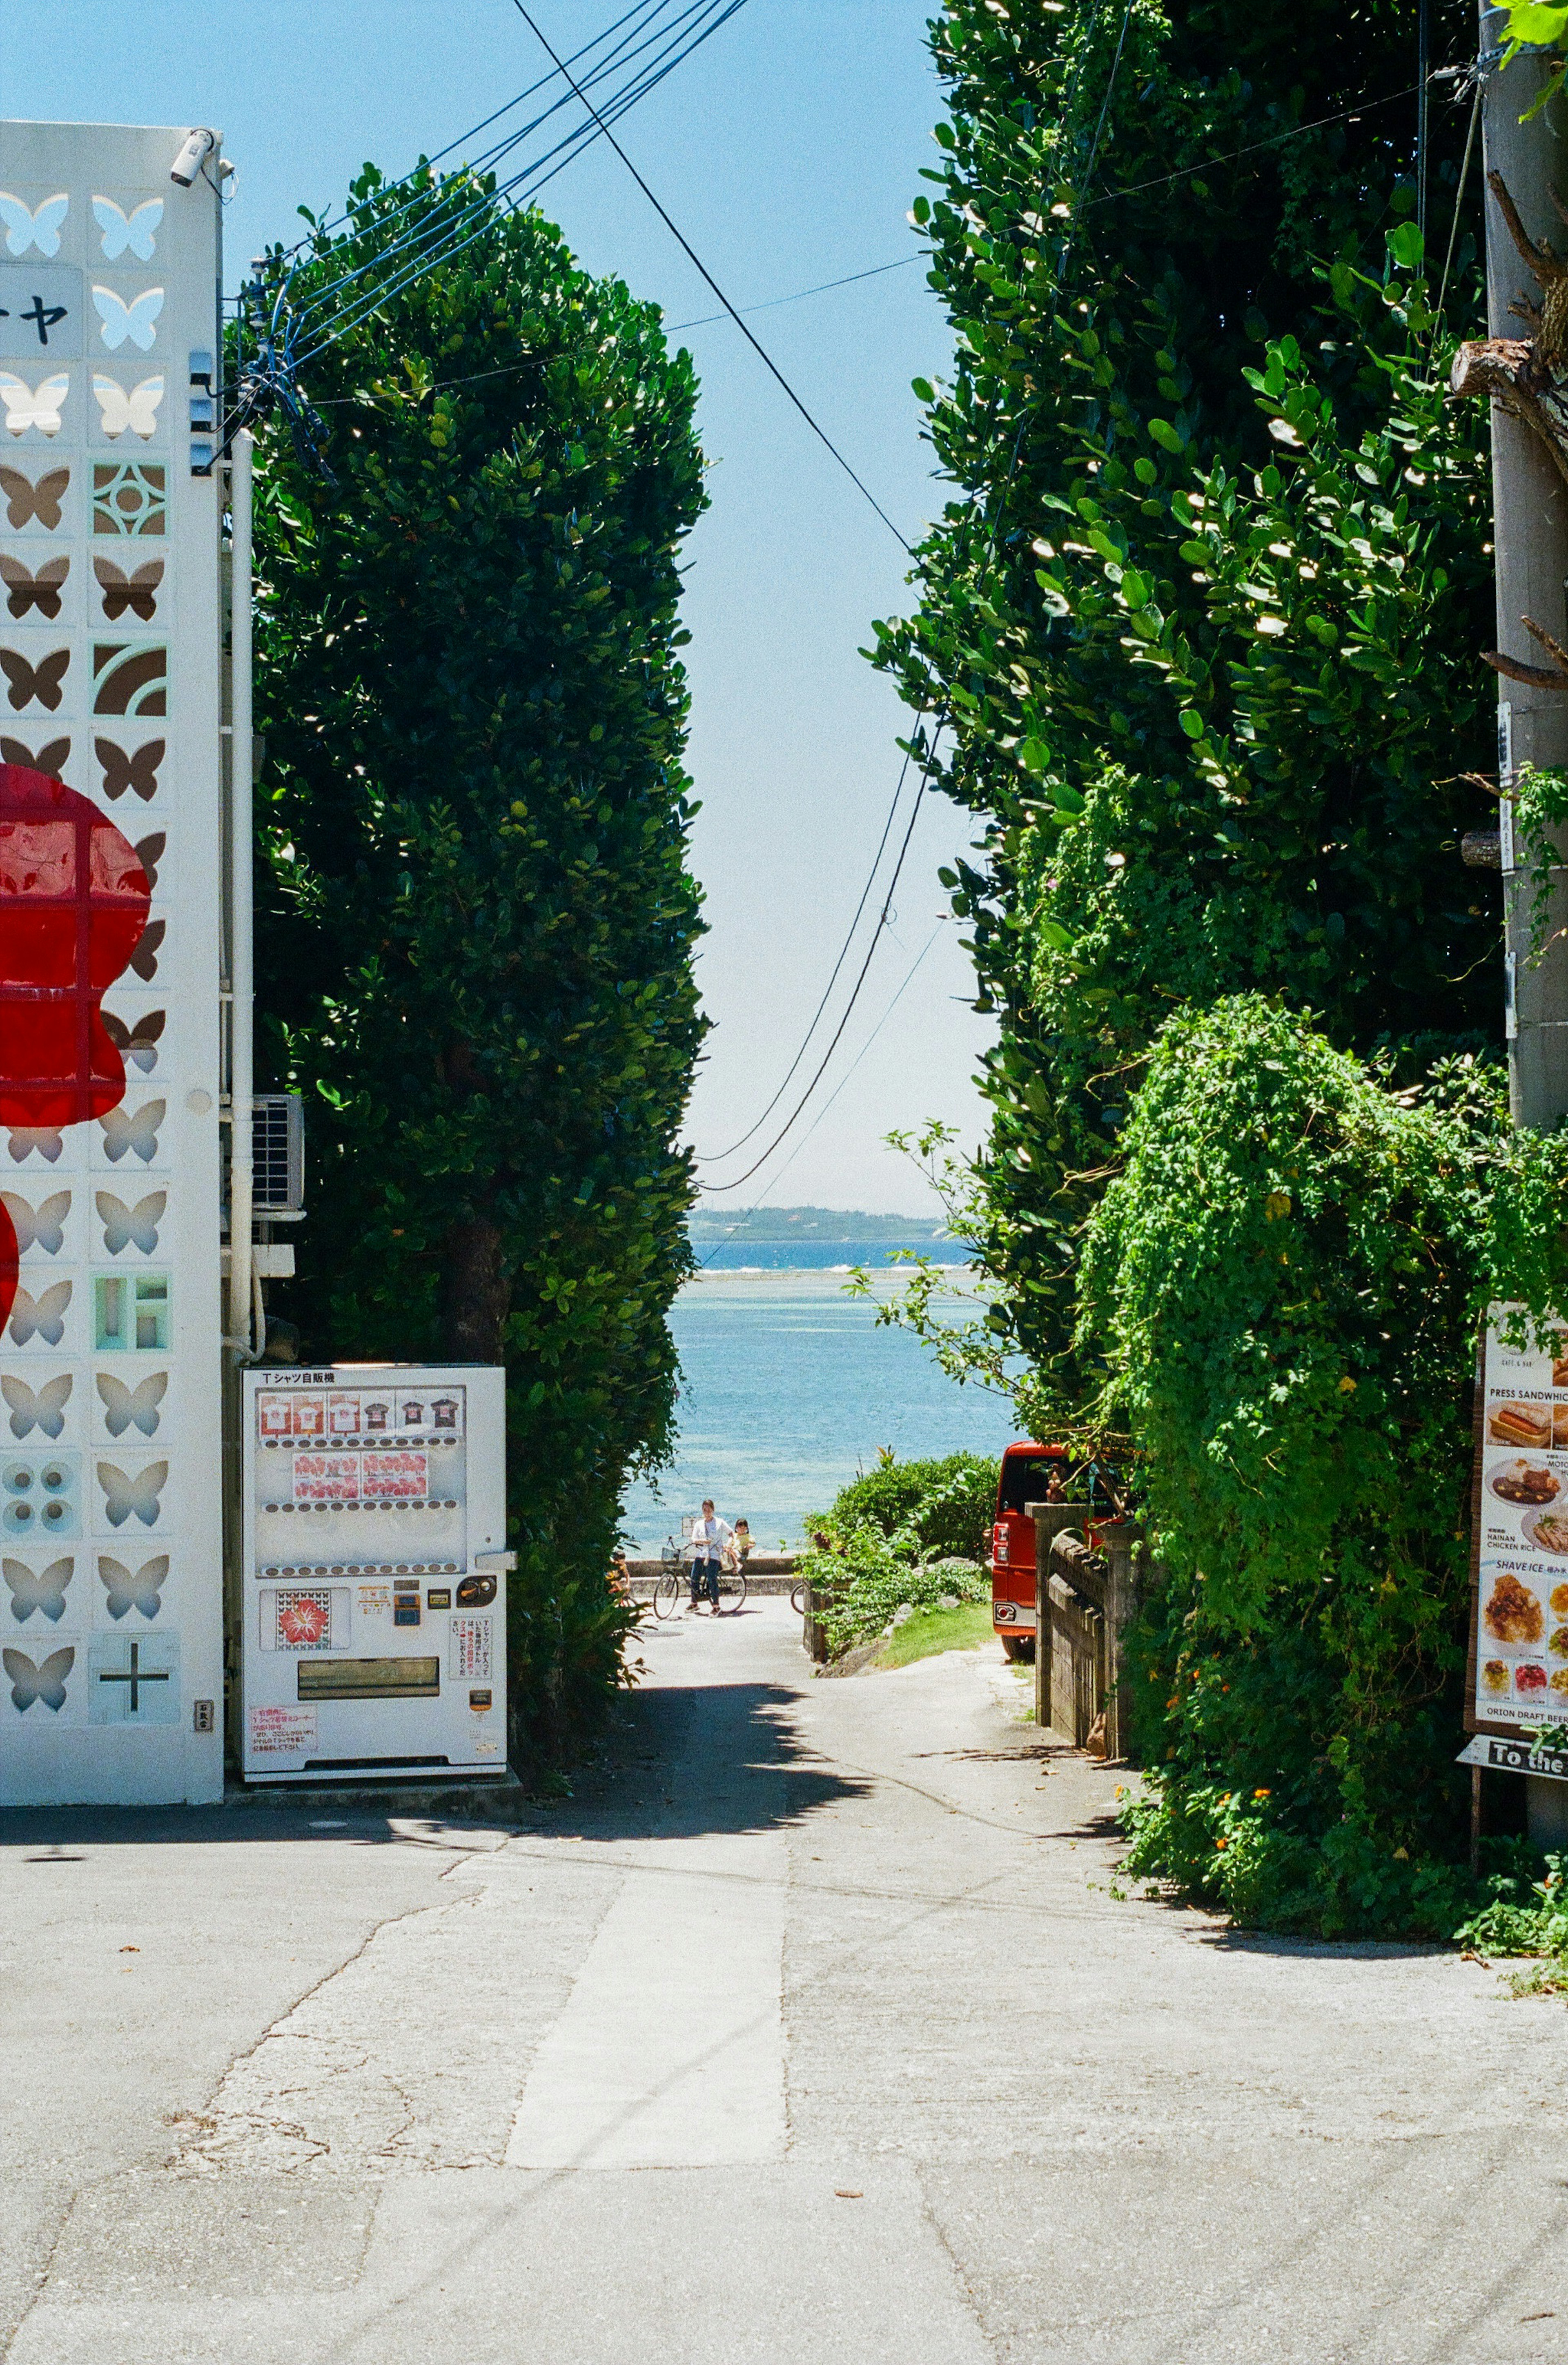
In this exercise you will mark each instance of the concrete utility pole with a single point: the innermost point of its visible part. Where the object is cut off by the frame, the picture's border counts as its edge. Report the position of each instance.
(1530, 532)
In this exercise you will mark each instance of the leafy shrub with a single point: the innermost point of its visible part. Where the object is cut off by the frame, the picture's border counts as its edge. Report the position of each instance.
(949, 1504)
(1522, 1916)
(873, 1574)
(1282, 1287)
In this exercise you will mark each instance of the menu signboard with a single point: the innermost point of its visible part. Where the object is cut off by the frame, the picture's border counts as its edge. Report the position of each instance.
(1519, 1634)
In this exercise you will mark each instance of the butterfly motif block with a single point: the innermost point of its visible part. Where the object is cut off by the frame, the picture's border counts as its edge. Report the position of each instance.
(42, 1407)
(130, 678)
(39, 1317)
(41, 1227)
(126, 1407)
(36, 230)
(128, 1588)
(128, 410)
(34, 406)
(52, 757)
(41, 1681)
(26, 1142)
(132, 1494)
(129, 497)
(29, 684)
(38, 588)
(136, 769)
(123, 592)
(128, 233)
(144, 959)
(41, 1589)
(135, 323)
(34, 500)
(138, 1044)
(131, 1227)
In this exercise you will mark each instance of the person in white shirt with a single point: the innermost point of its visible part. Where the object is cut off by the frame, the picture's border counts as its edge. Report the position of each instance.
(710, 1540)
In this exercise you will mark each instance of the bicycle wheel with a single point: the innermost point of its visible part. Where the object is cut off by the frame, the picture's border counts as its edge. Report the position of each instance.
(732, 1593)
(797, 1597)
(667, 1593)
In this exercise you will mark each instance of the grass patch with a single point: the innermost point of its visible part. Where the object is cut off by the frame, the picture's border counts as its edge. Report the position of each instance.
(931, 1631)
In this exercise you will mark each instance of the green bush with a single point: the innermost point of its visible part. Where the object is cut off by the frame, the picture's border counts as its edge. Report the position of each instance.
(949, 1504)
(1281, 1290)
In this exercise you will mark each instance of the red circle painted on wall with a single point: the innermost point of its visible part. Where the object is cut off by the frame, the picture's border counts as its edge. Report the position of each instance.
(73, 903)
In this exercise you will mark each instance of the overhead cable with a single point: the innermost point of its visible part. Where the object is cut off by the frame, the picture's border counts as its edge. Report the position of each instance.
(716, 1157)
(1085, 184)
(695, 259)
(459, 220)
(822, 288)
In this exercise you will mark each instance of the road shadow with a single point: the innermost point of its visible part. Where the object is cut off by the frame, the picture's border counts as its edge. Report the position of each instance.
(678, 1761)
(705, 1759)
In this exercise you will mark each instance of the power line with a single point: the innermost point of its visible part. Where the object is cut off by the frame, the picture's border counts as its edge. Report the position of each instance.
(716, 1190)
(716, 1157)
(713, 1190)
(693, 257)
(1297, 131)
(751, 1211)
(800, 295)
(446, 234)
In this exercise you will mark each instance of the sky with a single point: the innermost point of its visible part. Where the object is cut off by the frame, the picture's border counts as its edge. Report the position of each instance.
(788, 149)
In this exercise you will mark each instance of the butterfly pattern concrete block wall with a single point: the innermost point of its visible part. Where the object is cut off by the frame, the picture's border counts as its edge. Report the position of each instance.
(110, 646)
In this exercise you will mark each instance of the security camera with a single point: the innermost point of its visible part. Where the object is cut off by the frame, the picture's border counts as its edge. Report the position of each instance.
(199, 145)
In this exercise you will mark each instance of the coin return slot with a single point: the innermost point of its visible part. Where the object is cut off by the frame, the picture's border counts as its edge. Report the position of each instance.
(368, 1679)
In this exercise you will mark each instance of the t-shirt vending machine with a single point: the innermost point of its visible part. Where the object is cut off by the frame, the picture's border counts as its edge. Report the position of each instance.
(375, 1577)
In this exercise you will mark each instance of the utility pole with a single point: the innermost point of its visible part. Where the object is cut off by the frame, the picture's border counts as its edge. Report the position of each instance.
(1530, 534)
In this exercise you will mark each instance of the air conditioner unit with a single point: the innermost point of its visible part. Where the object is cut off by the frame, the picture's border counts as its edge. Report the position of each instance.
(277, 1157)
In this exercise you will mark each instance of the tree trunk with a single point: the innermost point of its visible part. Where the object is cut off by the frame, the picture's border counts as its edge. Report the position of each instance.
(475, 1295)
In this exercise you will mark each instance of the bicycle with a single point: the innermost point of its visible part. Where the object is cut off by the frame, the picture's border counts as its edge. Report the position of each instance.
(674, 1580)
(797, 1596)
(668, 1591)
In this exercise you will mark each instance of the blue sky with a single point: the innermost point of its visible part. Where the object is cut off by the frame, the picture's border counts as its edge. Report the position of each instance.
(788, 150)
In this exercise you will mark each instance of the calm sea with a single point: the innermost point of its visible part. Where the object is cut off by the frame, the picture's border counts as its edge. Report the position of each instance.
(790, 1388)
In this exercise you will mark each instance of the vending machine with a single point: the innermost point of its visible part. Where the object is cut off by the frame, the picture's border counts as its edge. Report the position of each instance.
(375, 1573)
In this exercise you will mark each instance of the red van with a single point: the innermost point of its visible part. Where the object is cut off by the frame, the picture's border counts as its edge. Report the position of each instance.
(1027, 1470)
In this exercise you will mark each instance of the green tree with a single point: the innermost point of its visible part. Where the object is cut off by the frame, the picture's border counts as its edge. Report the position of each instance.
(476, 923)
(1202, 617)
(1203, 609)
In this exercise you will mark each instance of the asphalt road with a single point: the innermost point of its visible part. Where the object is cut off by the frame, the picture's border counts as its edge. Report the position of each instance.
(814, 2029)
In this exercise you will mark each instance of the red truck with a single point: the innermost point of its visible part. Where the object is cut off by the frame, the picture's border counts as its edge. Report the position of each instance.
(1030, 1473)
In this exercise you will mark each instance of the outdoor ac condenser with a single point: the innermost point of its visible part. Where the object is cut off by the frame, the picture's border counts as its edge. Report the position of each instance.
(277, 1157)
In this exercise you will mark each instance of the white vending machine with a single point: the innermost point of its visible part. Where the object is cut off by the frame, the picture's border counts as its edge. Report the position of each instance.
(375, 1574)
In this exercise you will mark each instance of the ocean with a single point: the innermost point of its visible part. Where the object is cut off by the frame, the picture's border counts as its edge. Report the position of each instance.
(789, 1389)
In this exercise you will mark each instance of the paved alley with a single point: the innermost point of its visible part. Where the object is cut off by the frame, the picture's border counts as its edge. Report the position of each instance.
(814, 2029)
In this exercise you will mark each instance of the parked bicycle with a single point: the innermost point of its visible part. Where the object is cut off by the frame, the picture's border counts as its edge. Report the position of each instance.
(674, 1584)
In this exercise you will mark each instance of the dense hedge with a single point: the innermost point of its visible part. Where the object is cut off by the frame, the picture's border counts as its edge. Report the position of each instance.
(475, 922)
(1204, 615)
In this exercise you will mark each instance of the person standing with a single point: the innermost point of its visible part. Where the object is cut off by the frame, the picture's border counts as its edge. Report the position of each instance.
(711, 1539)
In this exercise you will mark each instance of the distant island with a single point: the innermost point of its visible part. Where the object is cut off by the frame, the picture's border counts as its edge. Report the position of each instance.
(822, 1227)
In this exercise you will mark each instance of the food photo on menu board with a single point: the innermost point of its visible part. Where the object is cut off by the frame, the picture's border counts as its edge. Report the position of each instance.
(1521, 1660)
